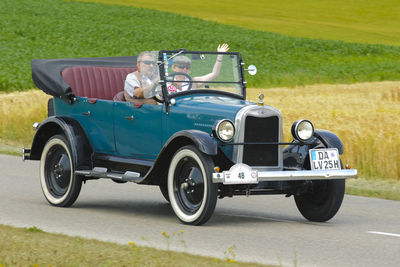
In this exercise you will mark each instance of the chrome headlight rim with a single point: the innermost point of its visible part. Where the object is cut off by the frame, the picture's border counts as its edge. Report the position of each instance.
(217, 130)
(295, 130)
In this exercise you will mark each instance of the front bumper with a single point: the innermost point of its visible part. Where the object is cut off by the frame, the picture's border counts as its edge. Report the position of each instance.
(295, 175)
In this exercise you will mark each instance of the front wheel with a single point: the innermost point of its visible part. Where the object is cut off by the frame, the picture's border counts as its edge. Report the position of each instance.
(323, 201)
(192, 193)
(59, 183)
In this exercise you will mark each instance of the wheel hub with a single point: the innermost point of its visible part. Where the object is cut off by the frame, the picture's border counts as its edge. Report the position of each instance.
(188, 186)
(58, 171)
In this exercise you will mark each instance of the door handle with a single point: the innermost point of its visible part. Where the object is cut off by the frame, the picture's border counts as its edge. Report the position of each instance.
(130, 118)
(86, 113)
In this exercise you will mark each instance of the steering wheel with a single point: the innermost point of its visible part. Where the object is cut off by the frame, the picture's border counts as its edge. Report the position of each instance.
(158, 99)
(174, 87)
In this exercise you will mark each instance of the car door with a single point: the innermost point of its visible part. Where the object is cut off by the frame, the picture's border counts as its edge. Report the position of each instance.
(95, 117)
(137, 129)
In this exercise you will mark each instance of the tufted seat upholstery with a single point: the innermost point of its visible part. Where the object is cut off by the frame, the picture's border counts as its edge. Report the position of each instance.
(96, 82)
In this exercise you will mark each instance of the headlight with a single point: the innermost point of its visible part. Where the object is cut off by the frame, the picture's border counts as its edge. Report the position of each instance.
(302, 130)
(224, 130)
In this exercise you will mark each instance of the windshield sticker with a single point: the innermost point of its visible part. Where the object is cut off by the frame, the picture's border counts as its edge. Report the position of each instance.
(172, 88)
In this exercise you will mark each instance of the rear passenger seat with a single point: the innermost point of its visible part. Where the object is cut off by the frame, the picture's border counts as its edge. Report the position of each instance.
(97, 82)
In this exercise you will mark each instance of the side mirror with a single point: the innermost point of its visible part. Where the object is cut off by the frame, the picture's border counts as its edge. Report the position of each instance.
(252, 70)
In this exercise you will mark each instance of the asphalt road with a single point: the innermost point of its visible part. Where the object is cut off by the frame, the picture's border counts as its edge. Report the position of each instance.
(265, 229)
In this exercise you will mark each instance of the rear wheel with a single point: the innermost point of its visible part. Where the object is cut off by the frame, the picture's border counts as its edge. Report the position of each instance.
(192, 193)
(164, 191)
(60, 185)
(323, 201)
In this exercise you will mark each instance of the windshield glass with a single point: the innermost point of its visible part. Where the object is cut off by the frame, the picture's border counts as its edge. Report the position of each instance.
(201, 70)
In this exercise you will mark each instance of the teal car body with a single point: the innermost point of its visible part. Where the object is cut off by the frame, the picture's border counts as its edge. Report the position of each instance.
(200, 140)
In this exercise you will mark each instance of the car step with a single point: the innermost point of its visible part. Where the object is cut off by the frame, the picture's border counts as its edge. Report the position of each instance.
(101, 172)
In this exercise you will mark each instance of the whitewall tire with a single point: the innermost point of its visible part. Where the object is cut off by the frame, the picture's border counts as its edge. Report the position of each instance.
(59, 184)
(192, 193)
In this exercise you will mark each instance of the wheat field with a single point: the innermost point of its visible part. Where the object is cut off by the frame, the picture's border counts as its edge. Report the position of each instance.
(366, 116)
(18, 111)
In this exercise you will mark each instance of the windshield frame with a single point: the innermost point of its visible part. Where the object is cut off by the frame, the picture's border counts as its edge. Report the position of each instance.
(163, 80)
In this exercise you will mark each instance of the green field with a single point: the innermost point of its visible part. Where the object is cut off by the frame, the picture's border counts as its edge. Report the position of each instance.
(361, 21)
(59, 29)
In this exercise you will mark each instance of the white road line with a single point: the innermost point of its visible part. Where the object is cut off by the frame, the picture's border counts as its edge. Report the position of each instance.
(382, 233)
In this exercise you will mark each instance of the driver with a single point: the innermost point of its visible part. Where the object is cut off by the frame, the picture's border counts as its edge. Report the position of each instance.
(141, 84)
(183, 63)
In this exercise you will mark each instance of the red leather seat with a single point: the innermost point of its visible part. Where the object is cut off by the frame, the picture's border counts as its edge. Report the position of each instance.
(119, 96)
(96, 82)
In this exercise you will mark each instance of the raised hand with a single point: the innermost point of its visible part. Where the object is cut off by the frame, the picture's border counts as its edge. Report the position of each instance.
(223, 48)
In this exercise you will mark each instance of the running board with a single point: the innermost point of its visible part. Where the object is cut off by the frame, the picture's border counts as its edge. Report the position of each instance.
(100, 172)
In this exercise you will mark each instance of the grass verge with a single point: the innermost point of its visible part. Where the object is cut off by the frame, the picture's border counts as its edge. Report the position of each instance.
(386, 189)
(59, 29)
(33, 247)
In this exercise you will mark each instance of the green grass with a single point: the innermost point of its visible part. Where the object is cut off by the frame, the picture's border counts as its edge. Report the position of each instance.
(34, 247)
(363, 21)
(58, 29)
(379, 188)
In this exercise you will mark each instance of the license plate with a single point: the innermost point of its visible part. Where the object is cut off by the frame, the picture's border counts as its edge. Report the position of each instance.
(240, 174)
(324, 159)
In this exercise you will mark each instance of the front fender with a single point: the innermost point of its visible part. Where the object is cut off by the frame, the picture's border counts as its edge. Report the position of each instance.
(203, 141)
(294, 156)
(329, 139)
(81, 148)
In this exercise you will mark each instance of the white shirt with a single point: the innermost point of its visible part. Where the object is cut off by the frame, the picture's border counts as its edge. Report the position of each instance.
(132, 82)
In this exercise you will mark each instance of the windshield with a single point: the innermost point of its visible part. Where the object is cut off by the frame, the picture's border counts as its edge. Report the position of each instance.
(186, 71)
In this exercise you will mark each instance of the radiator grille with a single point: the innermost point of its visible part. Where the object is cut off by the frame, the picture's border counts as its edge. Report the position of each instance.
(261, 130)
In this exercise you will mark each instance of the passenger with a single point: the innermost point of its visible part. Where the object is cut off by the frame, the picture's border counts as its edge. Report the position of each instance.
(140, 85)
(183, 64)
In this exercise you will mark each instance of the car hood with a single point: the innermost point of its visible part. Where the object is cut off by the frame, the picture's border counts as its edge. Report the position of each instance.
(201, 112)
(205, 107)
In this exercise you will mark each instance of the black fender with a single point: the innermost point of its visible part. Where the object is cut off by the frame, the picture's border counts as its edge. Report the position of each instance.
(329, 139)
(203, 141)
(81, 148)
(294, 156)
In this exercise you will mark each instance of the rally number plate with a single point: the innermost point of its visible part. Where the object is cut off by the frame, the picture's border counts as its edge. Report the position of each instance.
(240, 174)
(324, 159)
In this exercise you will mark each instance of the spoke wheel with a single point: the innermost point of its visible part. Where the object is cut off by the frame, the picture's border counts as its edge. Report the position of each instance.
(59, 184)
(192, 194)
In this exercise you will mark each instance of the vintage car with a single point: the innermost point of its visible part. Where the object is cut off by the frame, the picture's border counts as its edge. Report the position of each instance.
(202, 140)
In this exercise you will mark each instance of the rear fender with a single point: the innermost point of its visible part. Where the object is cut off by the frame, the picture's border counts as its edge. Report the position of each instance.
(81, 148)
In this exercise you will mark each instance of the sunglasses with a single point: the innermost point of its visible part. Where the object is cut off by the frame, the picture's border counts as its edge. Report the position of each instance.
(183, 66)
(148, 62)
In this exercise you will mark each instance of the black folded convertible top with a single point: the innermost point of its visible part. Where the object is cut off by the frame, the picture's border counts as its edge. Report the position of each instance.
(46, 73)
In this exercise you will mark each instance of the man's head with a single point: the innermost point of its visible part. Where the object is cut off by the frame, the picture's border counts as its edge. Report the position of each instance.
(146, 63)
(181, 64)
